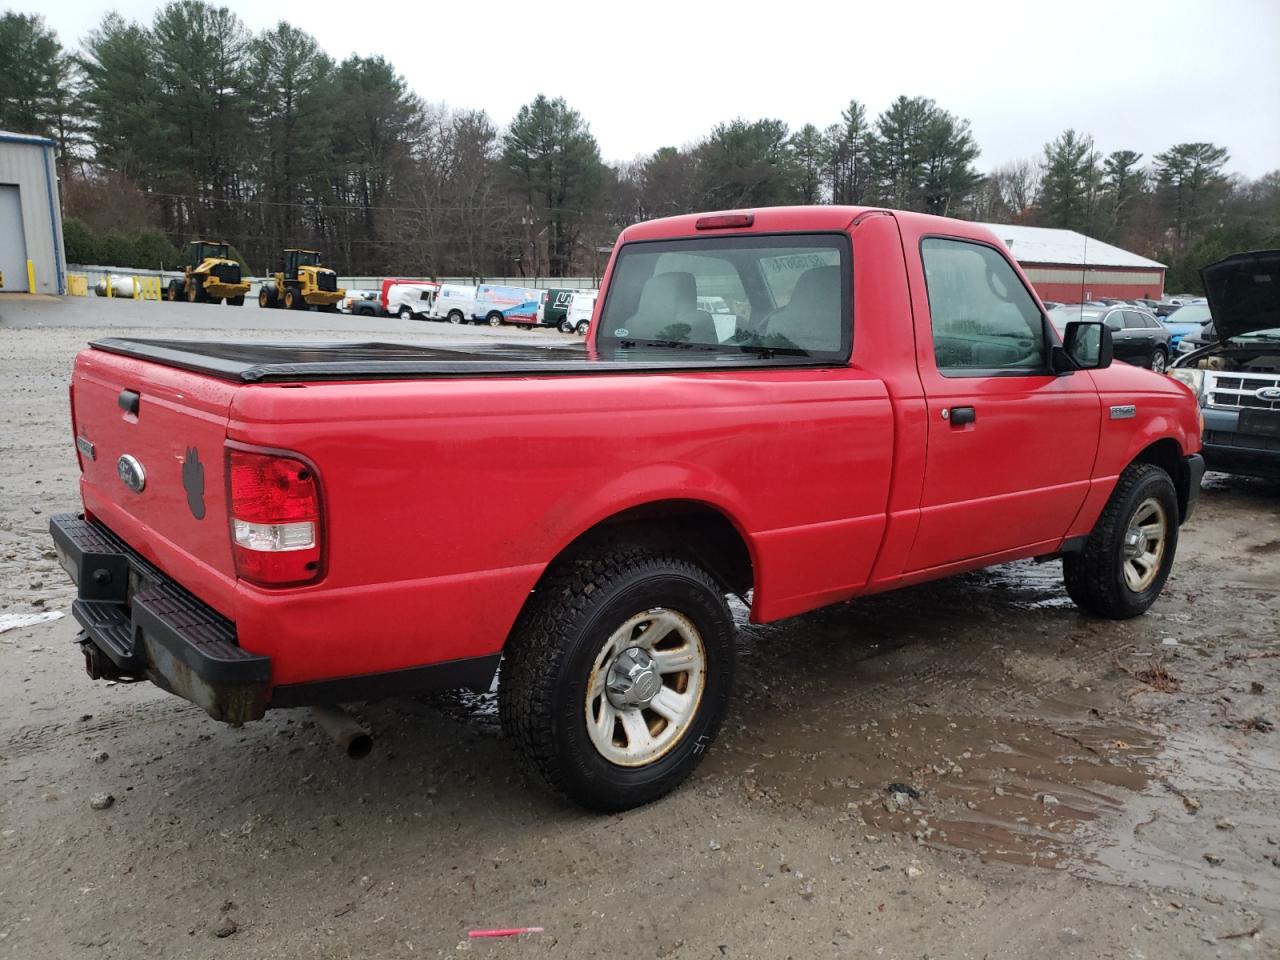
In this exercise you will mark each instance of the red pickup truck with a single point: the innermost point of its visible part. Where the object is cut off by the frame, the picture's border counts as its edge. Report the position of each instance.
(283, 524)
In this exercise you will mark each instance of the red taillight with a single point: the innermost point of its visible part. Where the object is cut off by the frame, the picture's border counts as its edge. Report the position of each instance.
(724, 221)
(275, 517)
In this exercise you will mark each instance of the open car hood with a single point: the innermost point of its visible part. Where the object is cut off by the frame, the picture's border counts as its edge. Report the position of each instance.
(1244, 292)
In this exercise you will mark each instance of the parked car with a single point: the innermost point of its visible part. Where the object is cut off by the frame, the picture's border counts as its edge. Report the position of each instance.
(1235, 373)
(1138, 337)
(1194, 341)
(249, 548)
(1187, 319)
(411, 300)
(556, 306)
(526, 314)
(454, 302)
(355, 295)
(578, 317)
(492, 299)
(384, 292)
(368, 304)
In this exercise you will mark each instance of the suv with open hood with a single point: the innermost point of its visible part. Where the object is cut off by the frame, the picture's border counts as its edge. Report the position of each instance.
(1237, 378)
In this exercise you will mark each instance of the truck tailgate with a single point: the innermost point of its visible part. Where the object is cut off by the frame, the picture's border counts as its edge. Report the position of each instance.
(151, 443)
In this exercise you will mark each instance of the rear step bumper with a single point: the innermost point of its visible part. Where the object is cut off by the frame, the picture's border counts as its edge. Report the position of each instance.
(139, 623)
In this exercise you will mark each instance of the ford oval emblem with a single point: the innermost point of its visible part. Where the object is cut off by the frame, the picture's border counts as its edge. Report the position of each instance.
(131, 473)
(1268, 393)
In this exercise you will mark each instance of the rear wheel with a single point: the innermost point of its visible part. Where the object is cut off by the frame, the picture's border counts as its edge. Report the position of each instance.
(1159, 360)
(236, 301)
(173, 292)
(495, 319)
(455, 316)
(566, 326)
(583, 327)
(266, 297)
(616, 677)
(1126, 560)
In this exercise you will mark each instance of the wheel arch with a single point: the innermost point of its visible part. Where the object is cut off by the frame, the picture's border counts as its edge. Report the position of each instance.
(695, 529)
(1166, 454)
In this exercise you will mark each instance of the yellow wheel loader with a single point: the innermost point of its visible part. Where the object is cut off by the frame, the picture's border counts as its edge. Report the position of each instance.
(210, 276)
(302, 283)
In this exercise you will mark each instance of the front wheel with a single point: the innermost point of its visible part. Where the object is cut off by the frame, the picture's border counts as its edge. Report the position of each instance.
(616, 677)
(1159, 360)
(404, 313)
(1126, 560)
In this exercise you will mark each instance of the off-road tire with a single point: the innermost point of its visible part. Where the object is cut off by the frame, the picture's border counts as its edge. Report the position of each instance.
(173, 293)
(237, 301)
(266, 298)
(549, 656)
(1095, 576)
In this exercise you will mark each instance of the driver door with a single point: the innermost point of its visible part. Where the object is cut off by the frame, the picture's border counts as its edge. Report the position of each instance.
(1010, 445)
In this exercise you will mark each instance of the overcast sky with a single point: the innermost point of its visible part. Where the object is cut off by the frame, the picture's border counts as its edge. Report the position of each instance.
(649, 73)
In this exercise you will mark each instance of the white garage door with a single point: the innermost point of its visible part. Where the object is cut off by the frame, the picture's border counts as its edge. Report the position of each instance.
(13, 242)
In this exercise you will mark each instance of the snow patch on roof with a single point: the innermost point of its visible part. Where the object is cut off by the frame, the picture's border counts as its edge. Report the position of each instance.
(1045, 245)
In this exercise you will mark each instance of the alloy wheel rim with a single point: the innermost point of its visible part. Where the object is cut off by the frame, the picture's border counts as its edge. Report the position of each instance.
(645, 687)
(1144, 544)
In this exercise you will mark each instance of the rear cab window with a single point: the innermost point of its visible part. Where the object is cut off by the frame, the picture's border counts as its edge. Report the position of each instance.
(729, 296)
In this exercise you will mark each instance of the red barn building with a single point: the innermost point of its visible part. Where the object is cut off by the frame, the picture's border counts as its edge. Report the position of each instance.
(1069, 267)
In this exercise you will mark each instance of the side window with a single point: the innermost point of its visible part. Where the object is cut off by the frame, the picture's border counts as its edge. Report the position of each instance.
(1134, 320)
(1115, 320)
(984, 320)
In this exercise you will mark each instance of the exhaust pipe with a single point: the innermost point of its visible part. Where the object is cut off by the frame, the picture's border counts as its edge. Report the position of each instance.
(354, 740)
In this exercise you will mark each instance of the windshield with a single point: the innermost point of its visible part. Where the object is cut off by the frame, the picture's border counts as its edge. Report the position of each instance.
(308, 258)
(1192, 313)
(786, 295)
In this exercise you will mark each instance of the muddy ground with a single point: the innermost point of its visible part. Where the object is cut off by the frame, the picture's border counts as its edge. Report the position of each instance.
(1086, 789)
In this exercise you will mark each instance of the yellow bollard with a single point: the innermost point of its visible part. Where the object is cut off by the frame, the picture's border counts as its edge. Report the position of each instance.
(31, 276)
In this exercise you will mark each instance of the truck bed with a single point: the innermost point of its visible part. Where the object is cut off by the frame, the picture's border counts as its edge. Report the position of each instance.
(259, 361)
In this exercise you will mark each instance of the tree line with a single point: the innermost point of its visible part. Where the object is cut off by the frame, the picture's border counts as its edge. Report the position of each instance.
(192, 125)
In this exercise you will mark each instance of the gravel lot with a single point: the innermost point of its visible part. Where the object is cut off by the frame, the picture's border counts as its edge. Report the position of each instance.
(1086, 789)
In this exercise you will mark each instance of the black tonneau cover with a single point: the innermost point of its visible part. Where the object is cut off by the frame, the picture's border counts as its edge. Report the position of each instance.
(259, 361)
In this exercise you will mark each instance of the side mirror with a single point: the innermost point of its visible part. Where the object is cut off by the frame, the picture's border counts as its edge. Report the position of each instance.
(1088, 344)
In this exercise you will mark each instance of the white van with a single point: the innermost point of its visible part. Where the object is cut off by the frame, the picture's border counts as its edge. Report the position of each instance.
(411, 300)
(455, 302)
(492, 300)
(578, 317)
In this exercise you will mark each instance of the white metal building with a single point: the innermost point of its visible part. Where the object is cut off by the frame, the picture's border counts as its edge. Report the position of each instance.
(31, 253)
(1069, 267)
